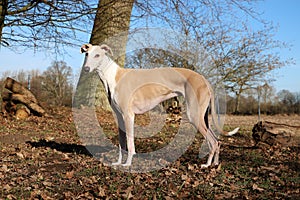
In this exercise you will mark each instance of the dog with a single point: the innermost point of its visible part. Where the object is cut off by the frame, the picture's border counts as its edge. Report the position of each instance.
(135, 91)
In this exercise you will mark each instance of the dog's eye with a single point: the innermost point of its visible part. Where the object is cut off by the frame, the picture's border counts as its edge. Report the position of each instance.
(86, 55)
(97, 56)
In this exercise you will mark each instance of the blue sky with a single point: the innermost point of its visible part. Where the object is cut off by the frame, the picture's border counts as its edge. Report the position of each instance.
(286, 14)
(283, 13)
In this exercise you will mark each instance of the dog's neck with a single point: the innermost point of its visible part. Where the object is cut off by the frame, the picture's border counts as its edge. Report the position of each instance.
(103, 66)
(107, 70)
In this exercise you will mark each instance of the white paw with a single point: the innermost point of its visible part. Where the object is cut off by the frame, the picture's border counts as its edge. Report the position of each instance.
(116, 163)
(126, 164)
(204, 166)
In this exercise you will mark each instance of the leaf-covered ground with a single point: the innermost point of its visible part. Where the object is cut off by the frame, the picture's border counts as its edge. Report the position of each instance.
(42, 158)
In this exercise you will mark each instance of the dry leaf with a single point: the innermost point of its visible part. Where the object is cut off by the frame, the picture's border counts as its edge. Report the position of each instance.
(128, 194)
(70, 174)
(5, 168)
(101, 192)
(20, 155)
(47, 183)
(7, 187)
(255, 187)
(196, 183)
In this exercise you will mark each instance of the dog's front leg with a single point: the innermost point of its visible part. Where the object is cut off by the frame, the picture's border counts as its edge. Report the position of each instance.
(122, 145)
(129, 124)
(120, 157)
(122, 135)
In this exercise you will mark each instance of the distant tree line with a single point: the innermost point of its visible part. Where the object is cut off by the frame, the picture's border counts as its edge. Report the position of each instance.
(269, 101)
(55, 87)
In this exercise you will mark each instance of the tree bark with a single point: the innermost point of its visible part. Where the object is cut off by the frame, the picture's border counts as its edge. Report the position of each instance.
(237, 103)
(3, 11)
(112, 18)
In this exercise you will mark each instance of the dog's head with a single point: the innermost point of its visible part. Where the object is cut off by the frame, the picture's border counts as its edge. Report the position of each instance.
(95, 56)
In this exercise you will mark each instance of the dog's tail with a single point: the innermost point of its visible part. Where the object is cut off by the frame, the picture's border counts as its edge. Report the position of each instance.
(215, 119)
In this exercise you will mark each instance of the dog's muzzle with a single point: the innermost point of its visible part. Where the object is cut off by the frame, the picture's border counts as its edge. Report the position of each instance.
(86, 69)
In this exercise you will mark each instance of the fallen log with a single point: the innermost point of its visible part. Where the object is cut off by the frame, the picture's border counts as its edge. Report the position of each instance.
(17, 88)
(18, 94)
(275, 133)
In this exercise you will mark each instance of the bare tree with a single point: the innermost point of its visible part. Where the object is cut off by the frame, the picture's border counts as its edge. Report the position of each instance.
(243, 55)
(267, 97)
(287, 101)
(248, 62)
(151, 57)
(56, 83)
(297, 104)
(44, 23)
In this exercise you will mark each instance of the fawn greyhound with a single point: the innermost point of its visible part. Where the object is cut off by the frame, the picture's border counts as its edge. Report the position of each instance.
(135, 91)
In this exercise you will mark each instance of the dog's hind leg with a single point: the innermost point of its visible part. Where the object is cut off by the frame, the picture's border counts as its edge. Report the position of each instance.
(207, 134)
(214, 148)
(217, 146)
(217, 152)
(203, 127)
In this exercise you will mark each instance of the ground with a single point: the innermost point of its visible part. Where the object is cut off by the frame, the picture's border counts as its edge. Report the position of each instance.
(43, 158)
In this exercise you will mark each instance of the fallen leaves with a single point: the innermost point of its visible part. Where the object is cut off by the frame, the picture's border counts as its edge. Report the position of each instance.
(44, 159)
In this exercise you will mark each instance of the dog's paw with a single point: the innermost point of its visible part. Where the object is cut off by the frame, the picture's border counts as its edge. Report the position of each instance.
(203, 166)
(116, 163)
(126, 164)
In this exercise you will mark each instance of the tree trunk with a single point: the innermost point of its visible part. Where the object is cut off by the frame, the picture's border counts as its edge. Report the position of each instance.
(237, 103)
(3, 11)
(112, 18)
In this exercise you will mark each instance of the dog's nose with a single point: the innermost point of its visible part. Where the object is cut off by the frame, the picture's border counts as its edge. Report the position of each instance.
(86, 69)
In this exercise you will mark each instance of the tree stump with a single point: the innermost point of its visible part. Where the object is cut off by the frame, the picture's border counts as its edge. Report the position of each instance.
(20, 101)
(274, 133)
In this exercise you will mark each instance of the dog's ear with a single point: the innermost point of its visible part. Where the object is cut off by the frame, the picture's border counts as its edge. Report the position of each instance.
(107, 49)
(84, 48)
